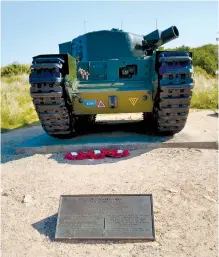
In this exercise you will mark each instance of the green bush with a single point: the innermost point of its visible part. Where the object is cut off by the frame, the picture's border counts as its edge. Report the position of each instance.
(15, 69)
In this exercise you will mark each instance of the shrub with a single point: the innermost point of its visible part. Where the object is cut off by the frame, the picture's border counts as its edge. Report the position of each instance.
(15, 69)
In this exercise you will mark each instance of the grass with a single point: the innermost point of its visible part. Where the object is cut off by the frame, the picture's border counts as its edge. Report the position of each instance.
(17, 109)
(205, 92)
(205, 99)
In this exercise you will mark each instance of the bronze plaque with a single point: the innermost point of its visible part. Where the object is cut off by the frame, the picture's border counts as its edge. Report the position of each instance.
(105, 217)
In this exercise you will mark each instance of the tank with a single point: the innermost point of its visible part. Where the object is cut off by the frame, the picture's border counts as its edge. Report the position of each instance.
(112, 71)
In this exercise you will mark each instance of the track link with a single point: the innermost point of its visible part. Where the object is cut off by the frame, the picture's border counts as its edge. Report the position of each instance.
(49, 97)
(172, 102)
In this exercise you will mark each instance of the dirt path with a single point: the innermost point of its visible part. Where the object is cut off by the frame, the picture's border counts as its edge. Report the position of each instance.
(183, 183)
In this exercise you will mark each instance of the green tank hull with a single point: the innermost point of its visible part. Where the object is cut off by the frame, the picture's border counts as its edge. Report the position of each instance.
(71, 88)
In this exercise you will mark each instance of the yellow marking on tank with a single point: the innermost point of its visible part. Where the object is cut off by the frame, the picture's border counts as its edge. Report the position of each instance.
(124, 104)
(133, 101)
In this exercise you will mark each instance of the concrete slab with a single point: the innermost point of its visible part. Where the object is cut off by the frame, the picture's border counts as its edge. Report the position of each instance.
(198, 133)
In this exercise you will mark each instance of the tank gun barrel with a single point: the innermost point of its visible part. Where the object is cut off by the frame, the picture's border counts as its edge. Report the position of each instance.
(158, 38)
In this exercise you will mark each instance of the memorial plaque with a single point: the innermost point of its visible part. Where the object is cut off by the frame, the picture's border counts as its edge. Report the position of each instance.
(105, 217)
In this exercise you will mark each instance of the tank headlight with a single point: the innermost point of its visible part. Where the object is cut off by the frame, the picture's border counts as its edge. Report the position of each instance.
(125, 72)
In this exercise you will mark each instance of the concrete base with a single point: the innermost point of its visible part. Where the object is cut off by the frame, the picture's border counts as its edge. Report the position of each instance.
(117, 139)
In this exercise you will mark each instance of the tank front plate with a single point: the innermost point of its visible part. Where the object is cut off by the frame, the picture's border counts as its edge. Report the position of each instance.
(101, 102)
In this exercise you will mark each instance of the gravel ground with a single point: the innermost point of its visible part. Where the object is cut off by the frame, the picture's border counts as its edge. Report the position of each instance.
(183, 183)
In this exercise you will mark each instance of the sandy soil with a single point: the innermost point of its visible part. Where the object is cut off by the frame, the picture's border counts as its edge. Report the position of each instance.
(183, 183)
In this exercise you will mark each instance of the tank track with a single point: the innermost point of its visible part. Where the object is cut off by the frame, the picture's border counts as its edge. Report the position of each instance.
(50, 98)
(175, 85)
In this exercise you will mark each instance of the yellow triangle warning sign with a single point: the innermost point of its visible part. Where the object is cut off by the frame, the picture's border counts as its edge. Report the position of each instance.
(100, 104)
(133, 100)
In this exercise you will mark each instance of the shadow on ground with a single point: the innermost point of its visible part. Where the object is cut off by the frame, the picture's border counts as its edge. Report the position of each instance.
(47, 226)
(101, 127)
(213, 115)
(110, 132)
